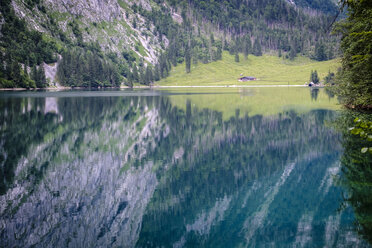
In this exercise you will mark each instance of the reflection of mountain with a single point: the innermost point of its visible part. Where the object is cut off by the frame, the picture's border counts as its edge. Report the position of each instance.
(249, 180)
(72, 187)
(110, 171)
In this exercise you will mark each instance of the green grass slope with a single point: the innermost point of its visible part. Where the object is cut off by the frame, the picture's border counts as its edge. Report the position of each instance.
(269, 70)
(264, 101)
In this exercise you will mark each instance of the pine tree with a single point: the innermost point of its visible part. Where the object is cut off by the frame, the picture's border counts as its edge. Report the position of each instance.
(135, 74)
(314, 77)
(149, 76)
(157, 72)
(219, 53)
(41, 79)
(16, 74)
(320, 53)
(212, 39)
(2, 69)
(25, 71)
(35, 75)
(188, 58)
(237, 57)
(292, 53)
(247, 46)
(257, 48)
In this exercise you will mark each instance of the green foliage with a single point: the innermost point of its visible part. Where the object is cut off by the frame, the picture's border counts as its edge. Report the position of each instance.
(363, 129)
(257, 48)
(357, 168)
(188, 59)
(320, 53)
(77, 32)
(31, 3)
(239, 21)
(327, 6)
(330, 78)
(356, 75)
(292, 53)
(314, 77)
(237, 57)
(38, 75)
(276, 24)
(81, 68)
(269, 70)
(20, 45)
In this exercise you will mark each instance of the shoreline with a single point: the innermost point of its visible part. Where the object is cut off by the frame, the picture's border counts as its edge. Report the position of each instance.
(224, 86)
(155, 87)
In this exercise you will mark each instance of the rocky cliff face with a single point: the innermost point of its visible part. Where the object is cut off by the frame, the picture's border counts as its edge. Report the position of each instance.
(108, 22)
(93, 10)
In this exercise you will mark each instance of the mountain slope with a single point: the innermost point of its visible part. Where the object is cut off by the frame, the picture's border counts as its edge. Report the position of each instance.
(140, 41)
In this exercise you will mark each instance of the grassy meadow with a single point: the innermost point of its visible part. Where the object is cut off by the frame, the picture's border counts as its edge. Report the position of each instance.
(254, 101)
(268, 69)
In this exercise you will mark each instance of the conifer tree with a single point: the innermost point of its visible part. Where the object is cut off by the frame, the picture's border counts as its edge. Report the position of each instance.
(257, 48)
(320, 53)
(237, 57)
(149, 76)
(42, 83)
(135, 74)
(219, 53)
(247, 46)
(156, 73)
(292, 53)
(188, 58)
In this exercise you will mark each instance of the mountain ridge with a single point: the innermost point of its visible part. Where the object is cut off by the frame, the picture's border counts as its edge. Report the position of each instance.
(141, 41)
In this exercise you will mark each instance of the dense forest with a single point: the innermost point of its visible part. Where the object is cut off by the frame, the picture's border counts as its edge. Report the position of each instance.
(356, 75)
(20, 49)
(205, 29)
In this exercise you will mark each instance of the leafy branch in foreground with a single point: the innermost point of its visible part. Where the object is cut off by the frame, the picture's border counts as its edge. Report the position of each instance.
(364, 130)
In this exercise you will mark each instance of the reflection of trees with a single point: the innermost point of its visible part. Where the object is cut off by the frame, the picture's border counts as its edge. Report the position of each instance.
(86, 138)
(200, 158)
(314, 93)
(24, 122)
(329, 93)
(219, 158)
(357, 169)
(20, 128)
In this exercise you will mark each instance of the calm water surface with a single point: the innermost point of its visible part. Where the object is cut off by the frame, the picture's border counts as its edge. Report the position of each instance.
(260, 167)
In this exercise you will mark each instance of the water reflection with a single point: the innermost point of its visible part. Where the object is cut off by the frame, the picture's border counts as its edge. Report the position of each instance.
(314, 93)
(357, 176)
(142, 171)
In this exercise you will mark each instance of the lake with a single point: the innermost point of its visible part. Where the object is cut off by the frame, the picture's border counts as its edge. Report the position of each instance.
(227, 167)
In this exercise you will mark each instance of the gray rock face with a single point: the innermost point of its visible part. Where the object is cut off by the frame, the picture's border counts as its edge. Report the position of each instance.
(102, 21)
(93, 10)
(51, 71)
(2, 21)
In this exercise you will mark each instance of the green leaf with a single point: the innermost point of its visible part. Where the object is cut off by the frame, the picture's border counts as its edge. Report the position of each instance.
(356, 131)
(364, 150)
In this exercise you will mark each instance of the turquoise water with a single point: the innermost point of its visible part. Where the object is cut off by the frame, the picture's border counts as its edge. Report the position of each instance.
(161, 168)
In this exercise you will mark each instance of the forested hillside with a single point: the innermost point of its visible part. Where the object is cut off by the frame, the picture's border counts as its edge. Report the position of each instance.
(107, 43)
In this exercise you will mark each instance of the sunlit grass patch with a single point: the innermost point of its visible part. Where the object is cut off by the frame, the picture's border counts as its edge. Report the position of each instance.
(269, 70)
